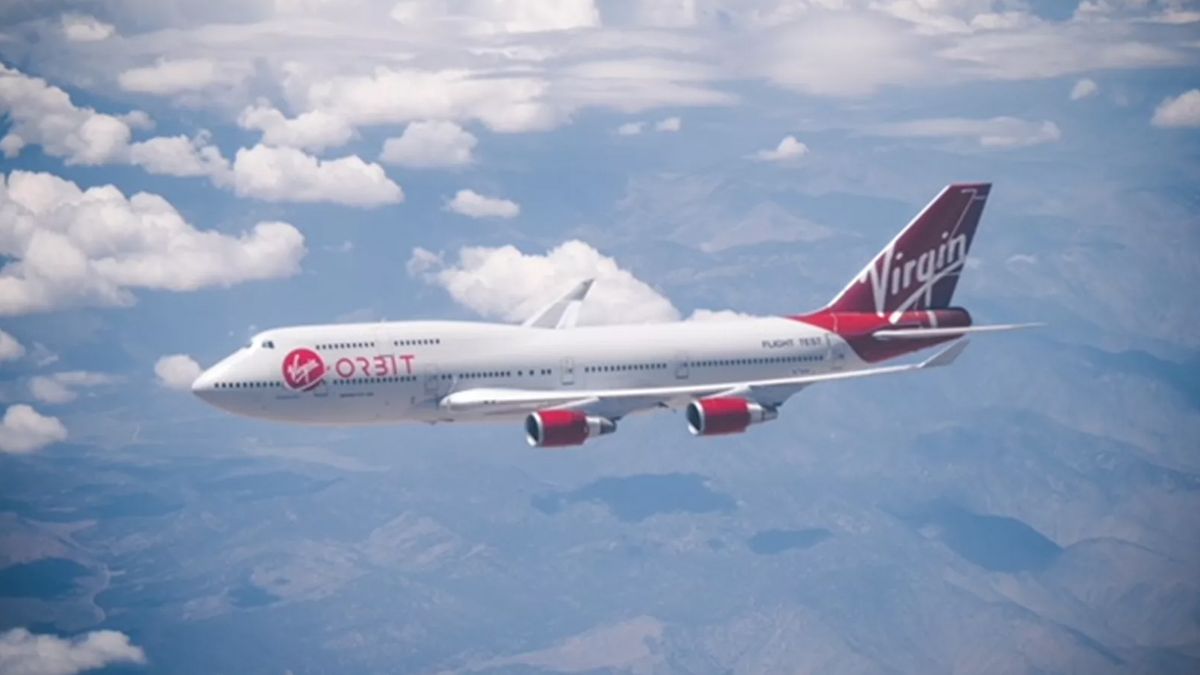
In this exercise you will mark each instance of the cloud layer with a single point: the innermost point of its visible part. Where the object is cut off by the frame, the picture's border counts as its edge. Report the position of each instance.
(994, 133)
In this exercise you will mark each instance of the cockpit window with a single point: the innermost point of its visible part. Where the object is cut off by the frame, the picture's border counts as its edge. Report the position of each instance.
(269, 344)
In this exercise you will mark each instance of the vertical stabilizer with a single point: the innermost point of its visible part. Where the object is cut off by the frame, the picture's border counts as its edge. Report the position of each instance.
(919, 268)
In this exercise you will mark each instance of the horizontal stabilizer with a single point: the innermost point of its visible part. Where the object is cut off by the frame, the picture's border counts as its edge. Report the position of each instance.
(926, 333)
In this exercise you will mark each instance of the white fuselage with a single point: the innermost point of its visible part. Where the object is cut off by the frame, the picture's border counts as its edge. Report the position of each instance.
(384, 373)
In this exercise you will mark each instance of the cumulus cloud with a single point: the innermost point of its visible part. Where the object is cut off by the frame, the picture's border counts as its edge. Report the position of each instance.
(42, 114)
(181, 156)
(667, 125)
(400, 95)
(507, 284)
(474, 205)
(1180, 111)
(84, 28)
(1083, 89)
(10, 348)
(430, 144)
(68, 246)
(177, 371)
(173, 76)
(288, 174)
(63, 387)
(995, 132)
(23, 430)
(314, 130)
(717, 315)
(788, 149)
(670, 124)
(25, 653)
(630, 128)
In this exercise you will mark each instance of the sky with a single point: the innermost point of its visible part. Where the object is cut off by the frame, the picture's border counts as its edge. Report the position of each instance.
(178, 176)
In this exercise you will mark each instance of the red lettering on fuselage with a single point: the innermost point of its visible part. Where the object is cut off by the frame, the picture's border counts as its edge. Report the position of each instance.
(379, 365)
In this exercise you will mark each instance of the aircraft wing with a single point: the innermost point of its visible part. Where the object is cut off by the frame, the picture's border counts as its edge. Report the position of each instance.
(616, 403)
(563, 312)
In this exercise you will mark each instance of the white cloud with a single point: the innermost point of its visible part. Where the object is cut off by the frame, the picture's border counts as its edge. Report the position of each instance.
(24, 653)
(718, 315)
(670, 124)
(177, 371)
(499, 16)
(173, 76)
(42, 114)
(10, 348)
(42, 356)
(474, 205)
(314, 131)
(69, 246)
(290, 175)
(181, 156)
(84, 28)
(62, 387)
(429, 145)
(1083, 89)
(636, 83)
(630, 128)
(666, 125)
(422, 261)
(1180, 111)
(137, 119)
(394, 96)
(788, 149)
(507, 284)
(995, 132)
(840, 53)
(24, 430)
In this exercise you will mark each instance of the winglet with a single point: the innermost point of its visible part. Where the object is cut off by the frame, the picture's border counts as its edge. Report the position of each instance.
(946, 356)
(563, 312)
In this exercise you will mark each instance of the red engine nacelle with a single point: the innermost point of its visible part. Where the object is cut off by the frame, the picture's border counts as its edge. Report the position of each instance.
(713, 416)
(560, 428)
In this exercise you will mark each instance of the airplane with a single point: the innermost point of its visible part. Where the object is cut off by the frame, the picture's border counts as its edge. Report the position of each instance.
(570, 383)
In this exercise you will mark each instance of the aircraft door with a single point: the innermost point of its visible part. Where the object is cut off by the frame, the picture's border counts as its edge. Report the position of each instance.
(681, 366)
(567, 368)
(435, 385)
(835, 352)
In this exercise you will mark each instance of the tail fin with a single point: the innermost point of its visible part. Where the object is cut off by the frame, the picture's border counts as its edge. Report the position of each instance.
(919, 269)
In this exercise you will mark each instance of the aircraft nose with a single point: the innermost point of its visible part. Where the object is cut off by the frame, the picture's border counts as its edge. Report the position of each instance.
(204, 385)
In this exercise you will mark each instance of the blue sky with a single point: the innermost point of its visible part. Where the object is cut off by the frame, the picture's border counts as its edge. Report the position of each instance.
(179, 176)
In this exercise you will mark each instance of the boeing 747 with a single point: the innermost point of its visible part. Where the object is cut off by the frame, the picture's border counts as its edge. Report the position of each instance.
(570, 383)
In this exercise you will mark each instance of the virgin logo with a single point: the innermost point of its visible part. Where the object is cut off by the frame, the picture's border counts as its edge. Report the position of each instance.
(303, 369)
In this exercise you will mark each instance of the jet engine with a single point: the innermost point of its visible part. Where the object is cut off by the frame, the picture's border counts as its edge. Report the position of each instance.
(561, 428)
(714, 416)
